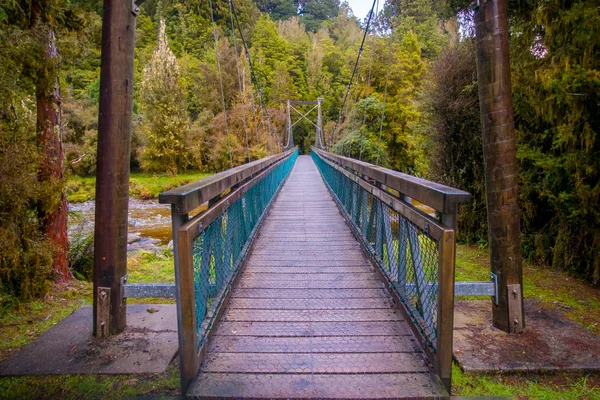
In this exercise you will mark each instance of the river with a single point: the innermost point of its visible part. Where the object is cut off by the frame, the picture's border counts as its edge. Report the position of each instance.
(149, 223)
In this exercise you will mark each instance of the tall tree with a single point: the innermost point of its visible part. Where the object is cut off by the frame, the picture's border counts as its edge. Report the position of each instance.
(314, 12)
(50, 141)
(166, 122)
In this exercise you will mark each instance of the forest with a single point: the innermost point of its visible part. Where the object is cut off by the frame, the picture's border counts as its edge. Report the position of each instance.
(412, 106)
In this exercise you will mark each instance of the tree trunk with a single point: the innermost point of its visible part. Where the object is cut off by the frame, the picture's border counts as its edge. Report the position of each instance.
(500, 156)
(50, 132)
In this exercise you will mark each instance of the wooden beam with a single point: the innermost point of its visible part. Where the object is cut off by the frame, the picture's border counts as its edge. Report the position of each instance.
(500, 155)
(114, 137)
(437, 196)
(188, 197)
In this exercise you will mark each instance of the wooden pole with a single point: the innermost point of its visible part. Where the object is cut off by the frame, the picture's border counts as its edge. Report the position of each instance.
(499, 151)
(112, 173)
(320, 144)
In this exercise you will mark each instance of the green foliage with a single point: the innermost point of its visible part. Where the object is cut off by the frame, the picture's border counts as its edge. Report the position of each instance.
(451, 102)
(81, 254)
(25, 254)
(141, 186)
(556, 96)
(556, 82)
(166, 124)
(357, 144)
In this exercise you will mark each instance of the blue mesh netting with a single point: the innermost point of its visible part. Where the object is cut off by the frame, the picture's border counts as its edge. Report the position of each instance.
(407, 255)
(222, 245)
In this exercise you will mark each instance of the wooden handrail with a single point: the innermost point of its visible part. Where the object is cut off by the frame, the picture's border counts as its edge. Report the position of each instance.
(375, 181)
(187, 197)
(440, 197)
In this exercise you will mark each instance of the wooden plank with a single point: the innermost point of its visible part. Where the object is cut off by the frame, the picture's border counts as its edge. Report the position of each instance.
(308, 270)
(312, 315)
(307, 386)
(310, 293)
(310, 276)
(275, 329)
(328, 344)
(317, 363)
(309, 284)
(310, 304)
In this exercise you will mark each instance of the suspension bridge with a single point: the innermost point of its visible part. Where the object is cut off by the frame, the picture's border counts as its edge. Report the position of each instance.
(304, 276)
(315, 276)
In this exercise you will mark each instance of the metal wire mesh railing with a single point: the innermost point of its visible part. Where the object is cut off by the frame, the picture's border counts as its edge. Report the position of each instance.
(220, 247)
(405, 253)
(211, 246)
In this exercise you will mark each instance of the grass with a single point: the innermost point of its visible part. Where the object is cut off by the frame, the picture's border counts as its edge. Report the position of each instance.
(23, 322)
(141, 186)
(579, 302)
(91, 386)
(147, 267)
(523, 387)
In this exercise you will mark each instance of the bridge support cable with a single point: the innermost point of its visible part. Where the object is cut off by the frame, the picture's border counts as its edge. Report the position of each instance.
(237, 66)
(303, 115)
(349, 84)
(214, 26)
(253, 75)
(387, 78)
(368, 85)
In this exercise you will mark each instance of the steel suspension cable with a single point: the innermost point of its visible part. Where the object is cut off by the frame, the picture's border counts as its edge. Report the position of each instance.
(368, 86)
(387, 76)
(348, 86)
(212, 18)
(252, 74)
(237, 66)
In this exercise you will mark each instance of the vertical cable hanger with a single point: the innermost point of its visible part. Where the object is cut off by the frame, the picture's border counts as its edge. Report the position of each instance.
(253, 76)
(348, 86)
(237, 66)
(368, 87)
(214, 25)
(387, 76)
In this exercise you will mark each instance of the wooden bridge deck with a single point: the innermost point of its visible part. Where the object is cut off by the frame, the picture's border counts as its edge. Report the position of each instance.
(309, 318)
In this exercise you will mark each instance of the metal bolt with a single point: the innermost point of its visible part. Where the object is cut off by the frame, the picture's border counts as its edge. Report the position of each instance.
(516, 322)
(103, 294)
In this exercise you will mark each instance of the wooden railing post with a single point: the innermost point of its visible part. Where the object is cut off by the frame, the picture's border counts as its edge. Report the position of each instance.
(186, 302)
(445, 308)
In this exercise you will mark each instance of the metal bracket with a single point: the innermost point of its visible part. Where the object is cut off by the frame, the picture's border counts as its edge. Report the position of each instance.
(123, 283)
(103, 312)
(149, 291)
(494, 279)
(515, 312)
(135, 9)
(478, 288)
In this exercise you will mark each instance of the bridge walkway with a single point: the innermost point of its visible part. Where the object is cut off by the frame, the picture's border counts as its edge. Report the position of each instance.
(309, 317)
